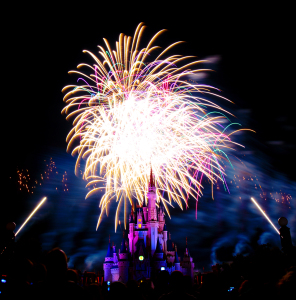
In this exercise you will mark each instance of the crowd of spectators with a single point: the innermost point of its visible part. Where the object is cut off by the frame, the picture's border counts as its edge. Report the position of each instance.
(268, 273)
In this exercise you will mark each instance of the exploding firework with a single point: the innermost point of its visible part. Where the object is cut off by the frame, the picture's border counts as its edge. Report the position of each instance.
(133, 115)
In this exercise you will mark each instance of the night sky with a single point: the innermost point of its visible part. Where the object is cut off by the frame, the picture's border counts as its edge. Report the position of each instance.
(252, 55)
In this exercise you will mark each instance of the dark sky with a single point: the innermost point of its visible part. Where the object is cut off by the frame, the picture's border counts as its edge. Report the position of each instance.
(41, 43)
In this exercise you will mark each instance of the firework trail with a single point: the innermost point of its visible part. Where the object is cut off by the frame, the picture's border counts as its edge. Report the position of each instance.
(265, 215)
(31, 215)
(132, 115)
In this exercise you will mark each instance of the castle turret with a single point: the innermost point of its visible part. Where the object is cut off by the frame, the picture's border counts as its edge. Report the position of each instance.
(131, 234)
(165, 238)
(115, 259)
(187, 263)
(114, 273)
(123, 263)
(108, 264)
(140, 218)
(177, 262)
(158, 251)
(158, 261)
(153, 236)
(114, 268)
(161, 216)
(145, 212)
(152, 214)
(170, 253)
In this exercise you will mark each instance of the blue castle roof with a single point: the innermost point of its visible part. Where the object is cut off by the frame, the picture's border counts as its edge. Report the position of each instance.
(176, 257)
(109, 252)
(158, 247)
(123, 248)
(141, 244)
(170, 245)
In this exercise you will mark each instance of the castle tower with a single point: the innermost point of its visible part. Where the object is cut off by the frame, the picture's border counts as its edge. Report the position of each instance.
(114, 273)
(145, 212)
(170, 253)
(158, 255)
(140, 218)
(187, 263)
(114, 268)
(152, 215)
(158, 260)
(115, 259)
(161, 216)
(108, 264)
(165, 239)
(131, 235)
(123, 263)
(151, 195)
(153, 236)
(177, 262)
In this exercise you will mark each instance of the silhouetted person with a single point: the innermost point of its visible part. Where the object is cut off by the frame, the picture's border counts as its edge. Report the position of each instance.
(118, 290)
(285, 235)
(57, 286)
(94, 292)
(161, 284)
(177, 288)
(132, 289)
(72, 275)
(19, 279)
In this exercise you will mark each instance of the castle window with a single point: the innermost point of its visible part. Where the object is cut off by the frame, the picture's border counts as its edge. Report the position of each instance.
(140, 220)
(140, 225)
(141, 257)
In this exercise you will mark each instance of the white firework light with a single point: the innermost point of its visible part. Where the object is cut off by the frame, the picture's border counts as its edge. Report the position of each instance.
(133, 116)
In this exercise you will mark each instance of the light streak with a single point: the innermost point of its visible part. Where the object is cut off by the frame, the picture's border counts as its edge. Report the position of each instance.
(132, 115)
(32, 213)
(264, 214)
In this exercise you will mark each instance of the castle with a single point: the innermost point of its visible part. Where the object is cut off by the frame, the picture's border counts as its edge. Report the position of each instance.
(148, 250)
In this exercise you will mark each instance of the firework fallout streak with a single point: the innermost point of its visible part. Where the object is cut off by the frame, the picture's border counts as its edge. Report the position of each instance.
(264, 214)
(31, 215)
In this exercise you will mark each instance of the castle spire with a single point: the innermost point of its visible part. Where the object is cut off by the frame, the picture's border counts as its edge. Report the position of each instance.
(109, 253)
(132, 216)
(151, 183)
(158, 247)
(186, 251)
(176, 255)
(123, 248)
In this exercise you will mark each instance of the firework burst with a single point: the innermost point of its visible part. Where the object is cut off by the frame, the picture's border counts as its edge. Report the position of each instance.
(133, 115)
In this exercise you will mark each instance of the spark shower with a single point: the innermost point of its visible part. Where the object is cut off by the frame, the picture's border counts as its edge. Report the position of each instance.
(133, 114)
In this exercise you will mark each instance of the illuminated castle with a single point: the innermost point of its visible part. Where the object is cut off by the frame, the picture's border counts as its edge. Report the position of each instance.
(148, 250)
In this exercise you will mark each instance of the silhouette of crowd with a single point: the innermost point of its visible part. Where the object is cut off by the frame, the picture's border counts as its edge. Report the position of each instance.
(267, 273)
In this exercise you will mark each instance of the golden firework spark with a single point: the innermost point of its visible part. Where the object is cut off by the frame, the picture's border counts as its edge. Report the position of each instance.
(132, 115)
